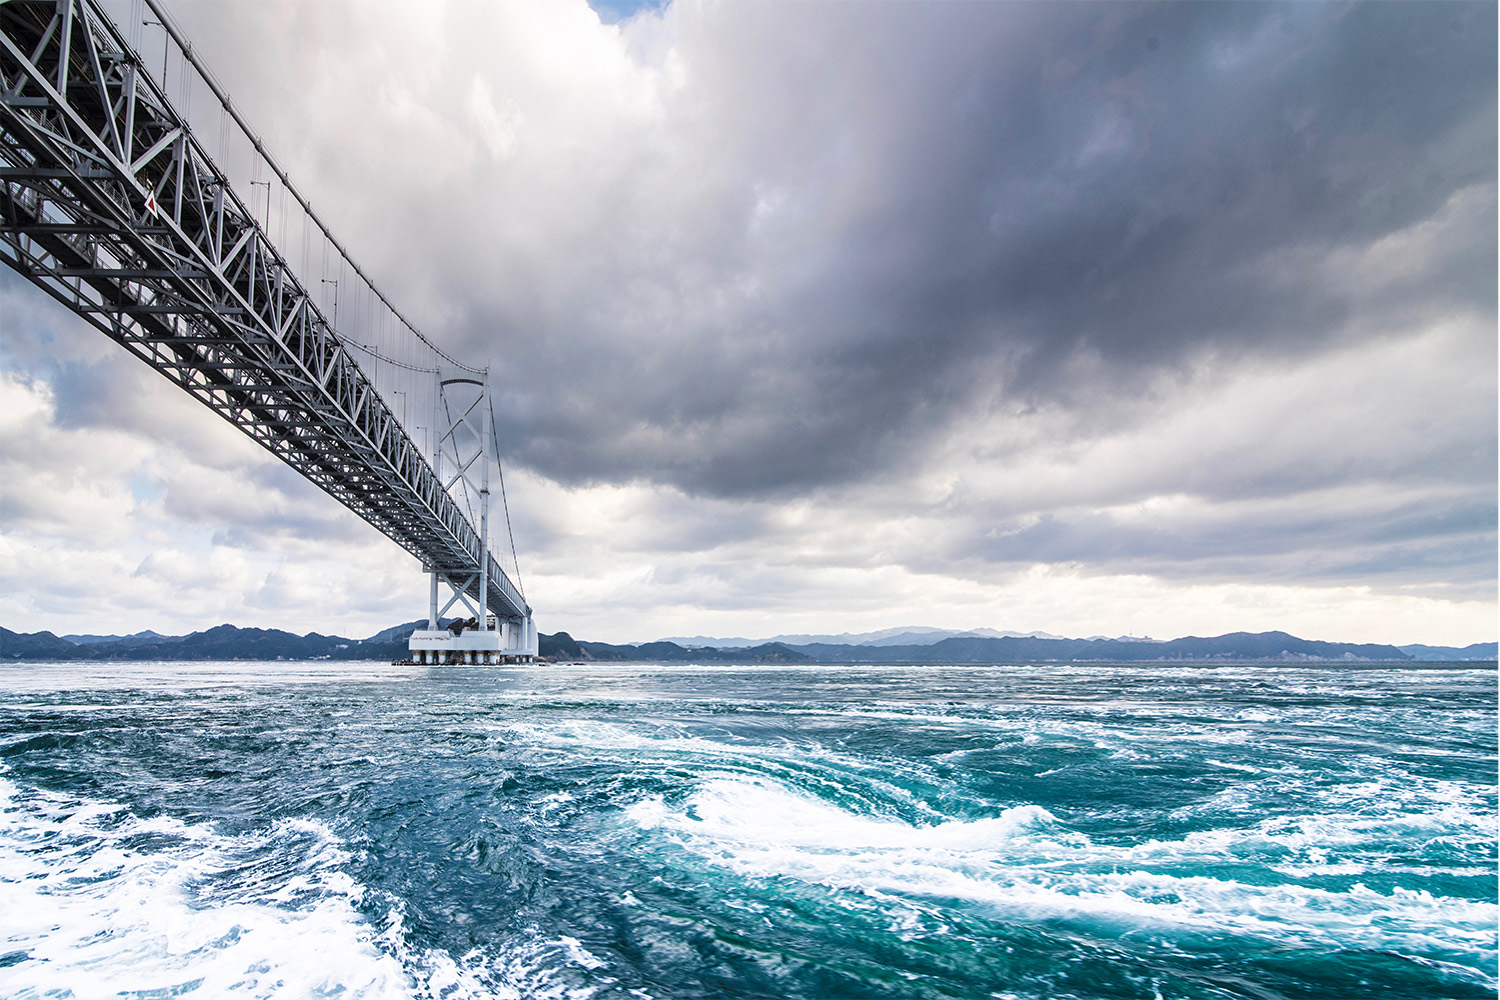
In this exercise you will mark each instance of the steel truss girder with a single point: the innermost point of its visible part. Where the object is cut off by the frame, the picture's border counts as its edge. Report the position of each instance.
(109, 203)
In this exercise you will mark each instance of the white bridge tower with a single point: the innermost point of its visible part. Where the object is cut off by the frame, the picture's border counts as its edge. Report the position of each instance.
(463, 423)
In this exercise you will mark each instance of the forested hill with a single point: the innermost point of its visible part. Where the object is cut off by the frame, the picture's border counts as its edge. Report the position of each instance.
(223, 642)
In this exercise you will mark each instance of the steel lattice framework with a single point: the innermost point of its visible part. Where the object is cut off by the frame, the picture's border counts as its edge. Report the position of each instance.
(111, 205)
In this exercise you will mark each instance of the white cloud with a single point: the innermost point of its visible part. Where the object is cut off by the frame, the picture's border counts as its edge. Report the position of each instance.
(112, 528)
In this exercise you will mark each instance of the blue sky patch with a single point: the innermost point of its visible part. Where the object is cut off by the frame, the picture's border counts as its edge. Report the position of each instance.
(615, 11)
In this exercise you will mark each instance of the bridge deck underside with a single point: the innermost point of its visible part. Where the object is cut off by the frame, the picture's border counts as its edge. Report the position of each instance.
(110, 205)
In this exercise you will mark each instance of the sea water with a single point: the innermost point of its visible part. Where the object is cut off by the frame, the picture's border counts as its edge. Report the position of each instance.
(629, 831)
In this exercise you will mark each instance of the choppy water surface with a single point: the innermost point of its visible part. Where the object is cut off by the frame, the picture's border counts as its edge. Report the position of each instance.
(1049, 831)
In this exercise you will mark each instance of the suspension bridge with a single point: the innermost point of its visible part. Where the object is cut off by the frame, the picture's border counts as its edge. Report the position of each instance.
(127, 196)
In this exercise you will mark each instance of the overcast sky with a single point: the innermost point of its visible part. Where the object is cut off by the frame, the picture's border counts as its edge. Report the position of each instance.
(1098, 319)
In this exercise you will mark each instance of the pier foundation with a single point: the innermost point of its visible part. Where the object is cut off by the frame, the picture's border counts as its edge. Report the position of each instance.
(511, 642)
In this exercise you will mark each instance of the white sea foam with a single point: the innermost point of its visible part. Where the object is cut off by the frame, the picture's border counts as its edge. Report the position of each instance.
(629, 746)
(534, 968)
(97, 902)
(812, 814)
(103, 903)
(765, 815)
(1025, 866)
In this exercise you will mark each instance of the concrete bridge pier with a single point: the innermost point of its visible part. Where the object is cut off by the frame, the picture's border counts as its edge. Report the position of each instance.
(511, 642)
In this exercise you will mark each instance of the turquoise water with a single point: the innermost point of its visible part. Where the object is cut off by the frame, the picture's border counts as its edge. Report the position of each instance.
(360, 830)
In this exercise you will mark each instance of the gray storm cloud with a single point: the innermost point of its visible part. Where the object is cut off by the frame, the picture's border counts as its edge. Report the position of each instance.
(852, 223)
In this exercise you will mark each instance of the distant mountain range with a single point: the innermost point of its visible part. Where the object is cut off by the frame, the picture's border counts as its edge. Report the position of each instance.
(905, 645)
(223, 642)
(910, 635)
(145, 637)
(918, 635)
(970, 648)
(1474, 651)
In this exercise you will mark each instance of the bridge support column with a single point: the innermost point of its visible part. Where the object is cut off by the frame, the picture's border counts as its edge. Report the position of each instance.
(529, 638)
(486, 446)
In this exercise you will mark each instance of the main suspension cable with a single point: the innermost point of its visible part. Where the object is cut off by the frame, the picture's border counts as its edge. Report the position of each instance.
(504, 501)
